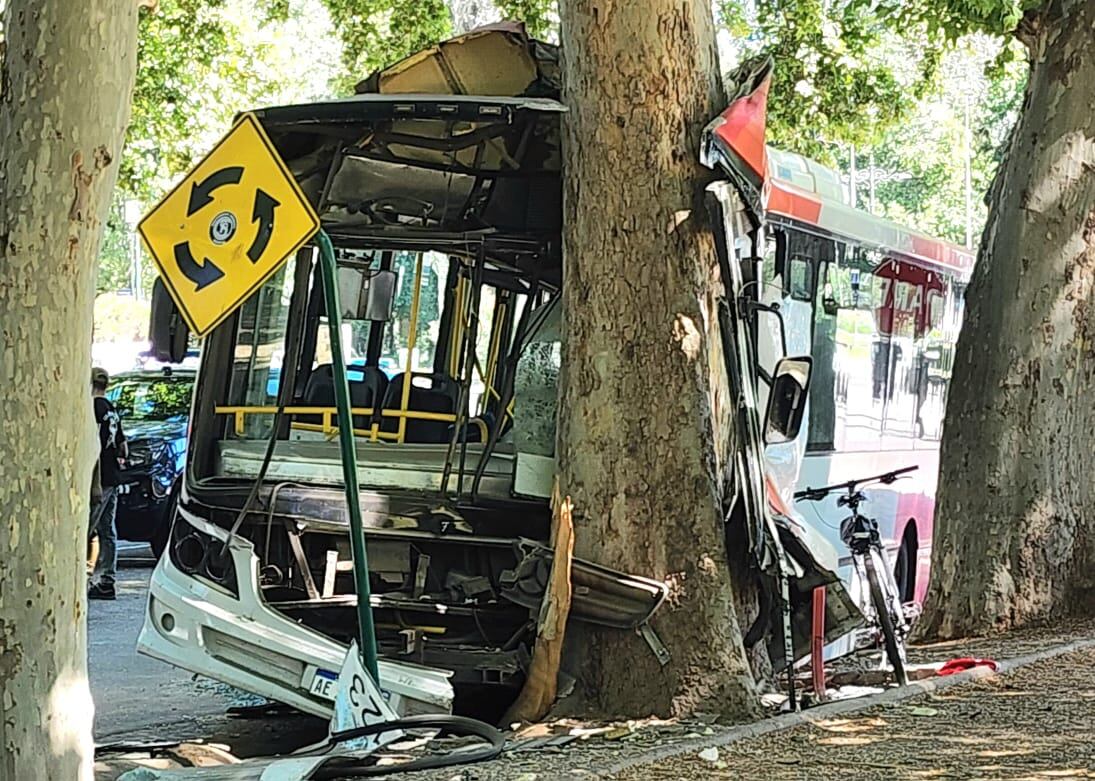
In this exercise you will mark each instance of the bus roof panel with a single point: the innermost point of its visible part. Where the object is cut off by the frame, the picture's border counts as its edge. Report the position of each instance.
(839, 219)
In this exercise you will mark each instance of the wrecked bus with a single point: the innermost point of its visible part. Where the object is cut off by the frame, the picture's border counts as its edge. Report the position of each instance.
(439, 185)
(445, 213)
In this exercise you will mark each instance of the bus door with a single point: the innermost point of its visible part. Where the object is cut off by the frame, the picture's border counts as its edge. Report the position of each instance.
(792, 267)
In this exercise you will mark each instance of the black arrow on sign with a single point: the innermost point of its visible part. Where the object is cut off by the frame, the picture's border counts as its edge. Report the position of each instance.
(201, 193)
(263, 213)
(205, 274)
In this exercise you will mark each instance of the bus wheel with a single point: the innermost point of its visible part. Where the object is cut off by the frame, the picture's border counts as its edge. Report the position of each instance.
(904, 570)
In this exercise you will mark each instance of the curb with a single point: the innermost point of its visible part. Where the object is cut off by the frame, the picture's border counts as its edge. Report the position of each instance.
(787, 721)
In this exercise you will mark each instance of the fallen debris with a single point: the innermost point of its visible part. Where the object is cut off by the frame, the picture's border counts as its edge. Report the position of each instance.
(966, 663)
(538, 694)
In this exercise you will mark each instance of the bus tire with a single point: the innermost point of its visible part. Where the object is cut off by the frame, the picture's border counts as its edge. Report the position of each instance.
(904, 570)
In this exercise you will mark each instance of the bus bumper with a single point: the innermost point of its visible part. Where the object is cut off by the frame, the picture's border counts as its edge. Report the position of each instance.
(242, 642)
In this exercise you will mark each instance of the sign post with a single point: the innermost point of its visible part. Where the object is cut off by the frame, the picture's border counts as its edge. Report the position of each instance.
(366, 630)
(222, 232)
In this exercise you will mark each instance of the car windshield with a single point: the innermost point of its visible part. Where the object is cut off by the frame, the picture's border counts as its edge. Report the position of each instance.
(154, 398)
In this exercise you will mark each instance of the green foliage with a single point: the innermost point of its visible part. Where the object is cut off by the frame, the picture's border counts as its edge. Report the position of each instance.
(115, 261)
(541, 17)
(176, 45)
(200, 62)
(951, 19)
(839, 77)
(892, 80)
(376, 33)
(930, 148)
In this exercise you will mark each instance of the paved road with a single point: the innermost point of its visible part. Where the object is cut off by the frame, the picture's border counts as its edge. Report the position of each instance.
(138, 698)
(133, 693)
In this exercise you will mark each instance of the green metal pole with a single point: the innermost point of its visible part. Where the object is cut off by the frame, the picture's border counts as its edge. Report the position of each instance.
(366, 630)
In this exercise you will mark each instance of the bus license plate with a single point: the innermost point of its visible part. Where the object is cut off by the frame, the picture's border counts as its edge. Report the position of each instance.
(324, 684)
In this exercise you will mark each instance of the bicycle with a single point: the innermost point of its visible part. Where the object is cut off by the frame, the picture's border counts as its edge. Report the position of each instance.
(872, 564)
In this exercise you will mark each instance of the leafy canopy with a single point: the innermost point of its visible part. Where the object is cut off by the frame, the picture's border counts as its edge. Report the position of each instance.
(376, 33)
(840, 76)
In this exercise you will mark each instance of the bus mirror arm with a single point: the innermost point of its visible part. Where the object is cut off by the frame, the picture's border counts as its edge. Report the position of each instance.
(754, 308)
(168, 333)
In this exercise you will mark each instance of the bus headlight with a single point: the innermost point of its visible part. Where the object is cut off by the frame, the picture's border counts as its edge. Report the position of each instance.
(202, 556)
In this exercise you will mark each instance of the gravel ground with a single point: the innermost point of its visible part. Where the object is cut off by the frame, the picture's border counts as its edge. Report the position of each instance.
(1019, 642)
(1037, 723)
(1048, 708)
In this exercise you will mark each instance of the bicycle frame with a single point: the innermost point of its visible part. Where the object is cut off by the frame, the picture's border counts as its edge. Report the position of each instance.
(872, 566)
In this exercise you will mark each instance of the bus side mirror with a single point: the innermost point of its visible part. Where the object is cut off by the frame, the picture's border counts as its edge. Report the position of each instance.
(167, 331)
(787, 400)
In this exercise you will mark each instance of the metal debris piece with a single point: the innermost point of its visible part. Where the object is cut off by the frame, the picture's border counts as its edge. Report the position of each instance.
(661, 653)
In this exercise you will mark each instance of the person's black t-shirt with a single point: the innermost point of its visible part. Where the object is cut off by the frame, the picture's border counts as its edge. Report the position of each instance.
(110, 439)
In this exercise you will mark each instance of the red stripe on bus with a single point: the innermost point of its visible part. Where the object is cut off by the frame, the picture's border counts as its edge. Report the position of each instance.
(792, 204)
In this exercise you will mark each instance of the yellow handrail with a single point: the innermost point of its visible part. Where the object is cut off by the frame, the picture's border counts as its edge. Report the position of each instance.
(493, 354)
(239, 414)
(408, 372)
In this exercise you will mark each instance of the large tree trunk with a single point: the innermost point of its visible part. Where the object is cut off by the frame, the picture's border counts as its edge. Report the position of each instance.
(65, 83)
(1015, 530)
(640, 433)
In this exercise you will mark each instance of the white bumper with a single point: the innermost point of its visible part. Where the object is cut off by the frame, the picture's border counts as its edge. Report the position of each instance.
(246, 644)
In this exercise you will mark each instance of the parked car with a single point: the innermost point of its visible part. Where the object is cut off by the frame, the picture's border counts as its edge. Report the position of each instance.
(154, 407)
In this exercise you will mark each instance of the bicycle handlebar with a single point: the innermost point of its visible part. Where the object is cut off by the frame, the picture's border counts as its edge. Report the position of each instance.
(815, 494)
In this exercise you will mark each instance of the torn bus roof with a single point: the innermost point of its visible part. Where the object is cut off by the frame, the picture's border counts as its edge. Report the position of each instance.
(498, 59)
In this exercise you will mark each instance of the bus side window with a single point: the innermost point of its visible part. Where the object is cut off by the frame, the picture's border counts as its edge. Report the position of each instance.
(824, 382)
(841, 404)
(800, 278)
(535, 387)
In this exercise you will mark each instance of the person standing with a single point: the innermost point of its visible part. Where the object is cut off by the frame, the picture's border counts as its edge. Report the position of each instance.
(112, 453)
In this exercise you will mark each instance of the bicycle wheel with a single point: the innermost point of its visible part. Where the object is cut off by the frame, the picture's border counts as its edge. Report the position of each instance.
(885, 619)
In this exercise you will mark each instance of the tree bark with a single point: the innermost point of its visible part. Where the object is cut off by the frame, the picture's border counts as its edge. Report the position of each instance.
(1015, 527)
(66, 75)
(642, 403)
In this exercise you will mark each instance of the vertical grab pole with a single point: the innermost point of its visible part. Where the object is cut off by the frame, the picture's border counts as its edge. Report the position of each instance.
(366, 630)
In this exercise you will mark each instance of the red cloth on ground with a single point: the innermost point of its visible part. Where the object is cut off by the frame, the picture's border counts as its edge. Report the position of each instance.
(966, 663)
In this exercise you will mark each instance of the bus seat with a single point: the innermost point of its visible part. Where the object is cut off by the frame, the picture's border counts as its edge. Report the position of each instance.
(367, 384)
(368, 387)
(429, 393)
